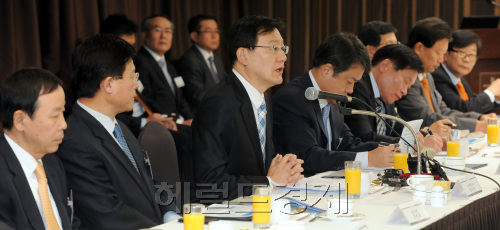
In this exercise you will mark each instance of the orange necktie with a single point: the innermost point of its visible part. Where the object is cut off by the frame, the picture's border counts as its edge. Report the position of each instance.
(139, 99)
(425, 85)
(43, 189)
(461, 91)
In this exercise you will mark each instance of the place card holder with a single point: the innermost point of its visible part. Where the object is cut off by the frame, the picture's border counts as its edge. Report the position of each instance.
(466, 186)
(412, 212)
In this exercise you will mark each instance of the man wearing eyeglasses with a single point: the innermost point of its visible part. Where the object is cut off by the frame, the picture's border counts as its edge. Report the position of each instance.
(160, 79)
(462, 55)
(200, 66)
(232, 130)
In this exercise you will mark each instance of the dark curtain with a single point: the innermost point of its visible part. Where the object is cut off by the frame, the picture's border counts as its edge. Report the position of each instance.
(42, 33)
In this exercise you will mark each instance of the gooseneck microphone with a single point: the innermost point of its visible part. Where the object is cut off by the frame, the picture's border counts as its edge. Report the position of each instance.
(313, 94)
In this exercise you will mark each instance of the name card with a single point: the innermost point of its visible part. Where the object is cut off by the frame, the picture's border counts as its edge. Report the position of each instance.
(498, 170)
(467, 184)
(413, 212)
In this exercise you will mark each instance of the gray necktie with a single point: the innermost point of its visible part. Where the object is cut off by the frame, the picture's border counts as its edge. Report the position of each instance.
(212, 68)
(163, 65)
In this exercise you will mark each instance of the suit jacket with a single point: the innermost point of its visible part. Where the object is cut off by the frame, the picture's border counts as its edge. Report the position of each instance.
(299, 129)
(415, 106)
(18, 209)
(157, 92)
(109, 192)
(226, 142)
(197, 75)
(480, 103)
(365, 127)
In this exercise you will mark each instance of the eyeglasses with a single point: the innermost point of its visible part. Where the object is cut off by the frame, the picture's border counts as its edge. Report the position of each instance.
(390, 43)
(209, 32)
(158, 29)
(462, 54)
(134, 78)
(276, 48)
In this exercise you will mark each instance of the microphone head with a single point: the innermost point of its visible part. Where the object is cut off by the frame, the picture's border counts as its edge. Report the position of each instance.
(312, 93)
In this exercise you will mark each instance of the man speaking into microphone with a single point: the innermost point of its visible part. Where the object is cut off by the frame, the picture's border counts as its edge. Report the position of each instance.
(315, 129)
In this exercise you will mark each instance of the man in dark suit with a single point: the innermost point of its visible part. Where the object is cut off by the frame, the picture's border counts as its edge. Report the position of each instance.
(33, 187)
(108, 172)
(463, 51)
(200, 66)
(394, 70)
(429, 39)
(299, 123)
(159, 77)
(232, 131)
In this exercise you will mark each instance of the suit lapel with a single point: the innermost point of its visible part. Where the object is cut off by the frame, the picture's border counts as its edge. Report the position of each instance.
(21, 183)
(111, 145)
(248, 115)
(153, 64)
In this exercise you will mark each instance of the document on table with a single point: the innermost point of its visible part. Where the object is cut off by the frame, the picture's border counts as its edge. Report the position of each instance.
(415, 124)
(228, 211)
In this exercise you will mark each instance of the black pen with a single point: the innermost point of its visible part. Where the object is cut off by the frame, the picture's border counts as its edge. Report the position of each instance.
(429, 131)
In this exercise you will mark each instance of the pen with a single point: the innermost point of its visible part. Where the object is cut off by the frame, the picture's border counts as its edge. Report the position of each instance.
(429, 131)
(452, 125)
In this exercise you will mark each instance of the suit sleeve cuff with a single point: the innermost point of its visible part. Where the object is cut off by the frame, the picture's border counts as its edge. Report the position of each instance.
(490, 95)
(363, 157)
(272, 183)
(143, 122)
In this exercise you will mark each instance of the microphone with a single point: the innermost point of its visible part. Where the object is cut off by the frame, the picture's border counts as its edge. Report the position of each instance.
(313, 94)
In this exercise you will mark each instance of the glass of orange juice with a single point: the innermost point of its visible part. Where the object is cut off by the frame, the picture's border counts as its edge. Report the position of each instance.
(261, 200)
(401, 161)
(353, 178)
(193, 216)
(492, 132)
(453, 143)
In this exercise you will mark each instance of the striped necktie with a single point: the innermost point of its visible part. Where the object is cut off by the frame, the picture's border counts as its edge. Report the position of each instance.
(325, 112)
(117, 132)
(43, 189)
(261, 113)
(380, 123)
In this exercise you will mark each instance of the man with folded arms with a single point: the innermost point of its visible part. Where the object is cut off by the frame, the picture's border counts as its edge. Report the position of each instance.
(315, 129)
(232, 130)
(33, 187)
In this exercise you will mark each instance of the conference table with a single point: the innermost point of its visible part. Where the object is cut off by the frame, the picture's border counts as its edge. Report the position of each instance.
(480, 211)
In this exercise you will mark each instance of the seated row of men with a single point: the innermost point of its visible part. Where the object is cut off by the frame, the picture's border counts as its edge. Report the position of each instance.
(237, 131)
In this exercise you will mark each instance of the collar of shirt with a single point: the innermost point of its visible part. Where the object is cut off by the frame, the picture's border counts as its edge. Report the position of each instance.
(27, 161)
(105, 121)
(453, 78)
(322, 102)
(376, 91)
(255, 96)
(204, 53)
(155, 55)
(421, 76)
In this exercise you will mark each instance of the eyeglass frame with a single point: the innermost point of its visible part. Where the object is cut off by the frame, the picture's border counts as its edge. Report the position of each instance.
(389, 43)
(134, 78)
(209, 31)
(283, 48)
(472, 57)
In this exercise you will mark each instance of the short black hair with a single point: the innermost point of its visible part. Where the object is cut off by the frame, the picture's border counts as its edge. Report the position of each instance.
(194, 22)
(118, 25)
(371, 31)
(428, 31)
(463, 38)
(342, 50)
(21, 89)
(401, 56)
(145, 21)
(245, 31)
(96, 58)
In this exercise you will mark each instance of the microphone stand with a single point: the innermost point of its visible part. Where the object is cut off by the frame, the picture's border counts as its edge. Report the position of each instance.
(347, 111)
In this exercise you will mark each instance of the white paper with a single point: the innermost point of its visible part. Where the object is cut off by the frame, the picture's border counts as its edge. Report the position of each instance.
(466, 185)
(415, 124)
(179, 82)
(498, 170)
(413, 212)
(224, 210)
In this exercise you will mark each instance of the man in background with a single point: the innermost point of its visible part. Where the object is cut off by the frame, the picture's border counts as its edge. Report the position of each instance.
(463, 51)
(33, 187)
(200, 66)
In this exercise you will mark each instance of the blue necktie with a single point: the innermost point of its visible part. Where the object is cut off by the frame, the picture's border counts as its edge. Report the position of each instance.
(380, 123)
(117, 132)
(326, 112)
(261, 113)
(163, 65)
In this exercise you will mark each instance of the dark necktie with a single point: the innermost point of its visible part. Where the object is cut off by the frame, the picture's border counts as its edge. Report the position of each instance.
(212, 68)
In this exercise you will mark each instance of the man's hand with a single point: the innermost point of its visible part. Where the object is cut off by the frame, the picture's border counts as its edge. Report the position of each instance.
(486, 116)
(286, 170)
(167, 122)
(187, 122)
(495, 88)
(440, 127)
(481, 126)
(434, 142)
(381, 157)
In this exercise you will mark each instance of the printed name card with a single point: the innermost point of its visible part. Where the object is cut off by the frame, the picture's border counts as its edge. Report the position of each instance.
(467, 185)
(413, 212)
